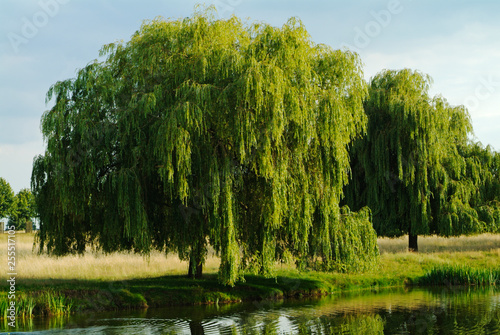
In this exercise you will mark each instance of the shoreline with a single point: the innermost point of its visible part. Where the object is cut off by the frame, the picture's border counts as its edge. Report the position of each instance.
(98, 282)
(52, 297)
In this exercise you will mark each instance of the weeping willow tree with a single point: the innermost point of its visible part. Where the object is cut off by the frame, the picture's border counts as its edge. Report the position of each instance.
(201, 131)
(474, 205)
(409, 169)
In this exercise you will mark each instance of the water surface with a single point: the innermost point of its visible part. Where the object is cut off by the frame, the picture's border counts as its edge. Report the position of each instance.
(417, 311)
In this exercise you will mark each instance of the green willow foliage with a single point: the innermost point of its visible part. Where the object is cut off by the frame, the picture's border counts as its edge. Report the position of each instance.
(479, 189)
(22, 210)
(416, 168)
(6, 198)
(355, 241)
(202, 131)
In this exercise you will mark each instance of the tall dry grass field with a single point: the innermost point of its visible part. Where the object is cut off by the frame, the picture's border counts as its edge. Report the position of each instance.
(434, 244)
(94, 265)
(122, 266)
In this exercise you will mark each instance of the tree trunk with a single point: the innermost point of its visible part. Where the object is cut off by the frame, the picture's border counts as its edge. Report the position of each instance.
(195, 268)
(190, 270)
(199, 271)
(29, 227)
(196, 261)
(412, 243)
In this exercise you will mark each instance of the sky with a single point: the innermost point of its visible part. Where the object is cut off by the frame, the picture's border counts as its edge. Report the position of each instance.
(43, 41)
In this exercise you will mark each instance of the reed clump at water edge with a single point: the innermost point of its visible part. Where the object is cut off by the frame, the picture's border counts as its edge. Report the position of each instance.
(453, 275)
(36, 303)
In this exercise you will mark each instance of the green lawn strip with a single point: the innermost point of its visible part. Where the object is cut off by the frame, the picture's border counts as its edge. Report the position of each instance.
(68, 296)
(177, 290)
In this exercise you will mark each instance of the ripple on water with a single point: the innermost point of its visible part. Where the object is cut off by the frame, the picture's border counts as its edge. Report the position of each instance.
(420, 311)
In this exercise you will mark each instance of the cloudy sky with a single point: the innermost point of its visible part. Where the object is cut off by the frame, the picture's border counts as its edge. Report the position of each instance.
(43, 41)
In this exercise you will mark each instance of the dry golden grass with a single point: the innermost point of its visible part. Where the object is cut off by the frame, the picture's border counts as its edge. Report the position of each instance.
(94, 265)
(122, 266)
(434, 244)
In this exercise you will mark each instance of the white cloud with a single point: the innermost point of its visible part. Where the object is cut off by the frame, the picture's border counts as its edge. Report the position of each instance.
(459, 46)
(10, 61)
(17, 163)
(18, 130)
(463, 66)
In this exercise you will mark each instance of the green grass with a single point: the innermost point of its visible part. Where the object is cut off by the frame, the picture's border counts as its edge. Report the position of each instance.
(460, 275)
(66, 296)
(409, 269)
(133, 282)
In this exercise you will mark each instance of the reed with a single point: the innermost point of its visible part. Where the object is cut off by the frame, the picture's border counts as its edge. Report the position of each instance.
(25, 306)
(44, 303)
(461, 275)
(4, 304)
(57, 304)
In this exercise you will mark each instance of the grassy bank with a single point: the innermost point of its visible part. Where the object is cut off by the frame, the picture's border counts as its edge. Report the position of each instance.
(96, 282)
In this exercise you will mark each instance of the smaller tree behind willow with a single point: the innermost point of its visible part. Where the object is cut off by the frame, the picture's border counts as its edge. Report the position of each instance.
(488, 206)
(201, 131)
(406, 166)
(23, 209)
(6, 198)
(474, 197)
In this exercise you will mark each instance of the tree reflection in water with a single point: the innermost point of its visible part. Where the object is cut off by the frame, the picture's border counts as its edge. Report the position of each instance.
(469, 311)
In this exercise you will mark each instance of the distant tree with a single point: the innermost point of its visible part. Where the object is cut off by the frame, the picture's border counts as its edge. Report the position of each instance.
(474, 203)
(6, 198)
(408, 167)
(201, 131)
(23, 209)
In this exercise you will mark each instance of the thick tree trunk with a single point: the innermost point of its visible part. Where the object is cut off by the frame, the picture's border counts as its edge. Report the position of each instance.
(199, 271)
(412, 243)
(190, 270)
(196, 262)
(195, 268)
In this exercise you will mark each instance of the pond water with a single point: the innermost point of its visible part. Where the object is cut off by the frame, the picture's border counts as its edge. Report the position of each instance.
(417, 311)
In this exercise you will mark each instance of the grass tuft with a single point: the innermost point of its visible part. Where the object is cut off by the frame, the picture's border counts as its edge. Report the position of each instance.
(460, 275)
(56, 304)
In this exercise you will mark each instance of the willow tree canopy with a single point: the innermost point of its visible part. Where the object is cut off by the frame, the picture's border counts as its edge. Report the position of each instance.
(474, 205)
(416, 168)
(201, 131)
